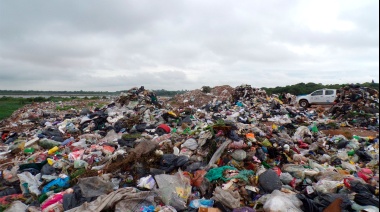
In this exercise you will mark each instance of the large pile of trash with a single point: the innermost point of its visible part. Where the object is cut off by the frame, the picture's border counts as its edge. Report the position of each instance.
(198, 98)
(358, 106)
(237, 150)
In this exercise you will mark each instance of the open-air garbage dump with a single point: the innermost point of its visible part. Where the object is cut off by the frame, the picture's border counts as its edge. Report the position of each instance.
(230, 149)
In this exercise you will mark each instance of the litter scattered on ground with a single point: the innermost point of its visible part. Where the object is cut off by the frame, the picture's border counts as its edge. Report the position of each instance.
(233, 149)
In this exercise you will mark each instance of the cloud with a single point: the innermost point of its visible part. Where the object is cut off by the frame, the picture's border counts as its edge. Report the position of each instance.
(87, 45)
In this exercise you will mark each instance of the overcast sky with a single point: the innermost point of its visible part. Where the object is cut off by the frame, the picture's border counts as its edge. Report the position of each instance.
(186, 44)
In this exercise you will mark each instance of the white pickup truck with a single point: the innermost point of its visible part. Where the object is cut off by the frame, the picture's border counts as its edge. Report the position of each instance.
(318, 97)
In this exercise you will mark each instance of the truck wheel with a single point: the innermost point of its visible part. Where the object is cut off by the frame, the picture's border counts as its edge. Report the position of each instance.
(304, 103)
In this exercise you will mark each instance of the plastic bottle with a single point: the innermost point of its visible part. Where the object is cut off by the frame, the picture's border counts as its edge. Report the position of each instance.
(29, 150)
(266, 165)
(53, 150)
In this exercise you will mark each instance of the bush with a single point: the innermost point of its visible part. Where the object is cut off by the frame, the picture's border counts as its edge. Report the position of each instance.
(206, 89)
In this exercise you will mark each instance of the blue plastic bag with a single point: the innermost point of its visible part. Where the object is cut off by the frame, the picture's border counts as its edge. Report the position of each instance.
(62, 182)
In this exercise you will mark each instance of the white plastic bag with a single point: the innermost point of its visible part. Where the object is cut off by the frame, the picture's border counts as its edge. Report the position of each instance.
(29, 182)
(278, 201)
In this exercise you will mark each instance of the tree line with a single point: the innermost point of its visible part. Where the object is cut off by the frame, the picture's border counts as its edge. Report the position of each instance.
(306, 88)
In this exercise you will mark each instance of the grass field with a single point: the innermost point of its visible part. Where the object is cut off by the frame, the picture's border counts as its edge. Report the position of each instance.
(9, 105)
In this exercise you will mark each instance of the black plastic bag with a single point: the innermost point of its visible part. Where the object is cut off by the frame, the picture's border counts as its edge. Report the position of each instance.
(366, 199)
(270, 181)
(363, 155)
(47, 170)
(309, 204)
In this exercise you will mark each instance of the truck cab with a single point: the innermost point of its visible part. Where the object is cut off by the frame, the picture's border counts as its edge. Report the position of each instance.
(318, 97)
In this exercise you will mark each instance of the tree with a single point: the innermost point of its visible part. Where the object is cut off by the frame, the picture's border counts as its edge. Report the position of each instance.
(206, 89)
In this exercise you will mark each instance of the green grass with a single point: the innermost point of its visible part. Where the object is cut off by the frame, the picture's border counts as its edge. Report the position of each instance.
(65, 108)
(8, 106)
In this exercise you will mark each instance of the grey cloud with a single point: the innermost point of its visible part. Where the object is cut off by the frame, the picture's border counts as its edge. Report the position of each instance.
(170, 44)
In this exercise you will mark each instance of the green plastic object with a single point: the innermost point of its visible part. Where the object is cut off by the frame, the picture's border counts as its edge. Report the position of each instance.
(267, 143)
(314, 129)
(187, 130)
(29, 150)
(266, 165)
(351, 153)
(42, 198)
(217, 174)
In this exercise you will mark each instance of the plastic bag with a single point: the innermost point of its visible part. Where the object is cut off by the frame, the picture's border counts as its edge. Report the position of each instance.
(325, 200)
(16, 206)
(10, 175)
(281, 202)
(191, 144)
(80, 164)
(146, 182)
(270, 181)
(228, 198)
(174, 189)
(218, 153)
(205, 203)
(62, 182)
(239, 155)
(327, 186)
(342, 155)
(315, 165)
(29, 183)
(349, 166)
(244, 209)
(368, 208)
(286, 178)
(301, 132)
(94, 186)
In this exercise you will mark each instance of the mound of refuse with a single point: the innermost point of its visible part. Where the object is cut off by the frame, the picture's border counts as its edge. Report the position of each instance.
(233, 149)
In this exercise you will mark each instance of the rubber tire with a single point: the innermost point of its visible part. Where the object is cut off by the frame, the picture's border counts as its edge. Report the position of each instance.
(304, 103)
